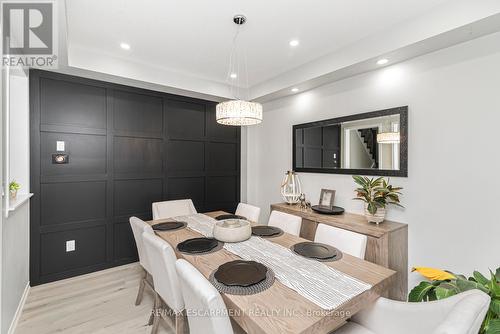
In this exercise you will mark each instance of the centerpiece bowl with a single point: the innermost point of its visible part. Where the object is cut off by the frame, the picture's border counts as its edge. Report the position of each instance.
(232, 230)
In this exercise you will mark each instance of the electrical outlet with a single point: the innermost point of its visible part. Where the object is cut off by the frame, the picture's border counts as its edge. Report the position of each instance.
(70, 245)
(60, 146)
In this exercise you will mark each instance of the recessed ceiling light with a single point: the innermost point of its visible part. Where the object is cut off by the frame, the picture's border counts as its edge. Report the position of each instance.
(295, 90)
(233, 75)
(294, 42)
(125, 46)
(382, 61)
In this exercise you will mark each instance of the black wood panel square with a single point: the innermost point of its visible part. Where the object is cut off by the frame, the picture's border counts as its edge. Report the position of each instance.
(87, 154)
(186, 156)
(137, 112)
(187, 187)
(222, 156)
(67, 202)
(185, 120)
(136, 196)
(71, 103)
(221, 189)
(89, 249)
(124, 243)
(137, 155)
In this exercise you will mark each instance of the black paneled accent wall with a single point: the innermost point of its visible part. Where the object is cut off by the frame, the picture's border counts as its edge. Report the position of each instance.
(126, 147)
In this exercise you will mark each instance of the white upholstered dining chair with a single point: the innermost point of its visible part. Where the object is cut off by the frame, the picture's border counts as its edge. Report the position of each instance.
(248, 211)
(459, 314)
(285, 221)
(138, 228)
(207, 312)
(168, 209)
(166, 281)
(346, 241)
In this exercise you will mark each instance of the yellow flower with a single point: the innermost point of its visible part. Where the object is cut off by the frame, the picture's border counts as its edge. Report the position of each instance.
(433, 274)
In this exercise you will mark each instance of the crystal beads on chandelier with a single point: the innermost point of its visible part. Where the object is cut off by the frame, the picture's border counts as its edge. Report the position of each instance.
(238, 113)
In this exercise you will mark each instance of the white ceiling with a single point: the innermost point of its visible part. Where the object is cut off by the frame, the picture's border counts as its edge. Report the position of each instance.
(191, 39)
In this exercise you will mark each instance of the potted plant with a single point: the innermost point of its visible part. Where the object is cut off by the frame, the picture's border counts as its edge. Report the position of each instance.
(443, 284)
(377, 194)
(13, 188)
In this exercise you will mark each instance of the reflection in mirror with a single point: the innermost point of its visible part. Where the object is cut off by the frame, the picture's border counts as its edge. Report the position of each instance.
(370, 143)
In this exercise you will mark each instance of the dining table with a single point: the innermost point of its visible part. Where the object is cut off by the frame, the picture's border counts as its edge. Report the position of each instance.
(280, 309)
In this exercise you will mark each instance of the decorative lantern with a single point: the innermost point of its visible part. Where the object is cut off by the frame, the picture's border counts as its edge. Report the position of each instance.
(291, 188)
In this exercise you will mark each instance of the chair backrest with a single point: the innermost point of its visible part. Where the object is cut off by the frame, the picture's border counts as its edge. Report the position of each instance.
(346, 241)
(138, 227)
(166, 282)
(168, 209)
(459, 314)
(205, 308)
(248, 211)
(287, 222)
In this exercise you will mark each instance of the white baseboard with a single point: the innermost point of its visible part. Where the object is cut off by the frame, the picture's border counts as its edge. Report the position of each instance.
(19, 310)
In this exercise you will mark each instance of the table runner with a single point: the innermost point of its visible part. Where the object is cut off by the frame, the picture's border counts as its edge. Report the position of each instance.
(315, 281)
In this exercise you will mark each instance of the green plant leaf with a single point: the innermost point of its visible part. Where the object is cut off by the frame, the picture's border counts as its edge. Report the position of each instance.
(480, 278)
(465, 285)
(494, 286)
(493, 327)
(495, 307)
(498, 274)
(442, 292)
(359, 180)
(420, 292)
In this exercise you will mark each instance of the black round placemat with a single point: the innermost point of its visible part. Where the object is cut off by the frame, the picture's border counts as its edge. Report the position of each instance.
(230, 216)
(169, 226)
(241, 273)
(335, 210)
(197, 246)
(266, 231)
(306, 249)
(240, 290)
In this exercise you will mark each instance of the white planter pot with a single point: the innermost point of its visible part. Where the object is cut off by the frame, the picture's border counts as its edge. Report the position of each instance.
(13, 194)
(377, 218)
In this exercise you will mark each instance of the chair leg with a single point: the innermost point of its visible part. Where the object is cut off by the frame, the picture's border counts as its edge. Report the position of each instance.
(156, 314)
(180, 323)
(140, 293)
(152, 316)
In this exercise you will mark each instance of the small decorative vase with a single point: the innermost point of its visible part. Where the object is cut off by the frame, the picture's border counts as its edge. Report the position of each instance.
(13, 194)
(377, 218)
(291, 188)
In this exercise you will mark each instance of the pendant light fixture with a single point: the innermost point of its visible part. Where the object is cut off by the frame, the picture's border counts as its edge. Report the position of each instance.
(238, 111)
(392, 136)
(388, 138)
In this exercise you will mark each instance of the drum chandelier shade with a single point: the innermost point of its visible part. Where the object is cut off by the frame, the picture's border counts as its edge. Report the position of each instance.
(238, 111)
(388, 138)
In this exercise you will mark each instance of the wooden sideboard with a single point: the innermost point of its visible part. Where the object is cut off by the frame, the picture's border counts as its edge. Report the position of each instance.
(387, 243)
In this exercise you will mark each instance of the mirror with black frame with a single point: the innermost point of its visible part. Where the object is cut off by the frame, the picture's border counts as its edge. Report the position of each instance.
(373, 143)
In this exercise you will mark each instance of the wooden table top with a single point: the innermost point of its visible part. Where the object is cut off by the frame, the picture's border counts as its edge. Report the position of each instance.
(280, 309)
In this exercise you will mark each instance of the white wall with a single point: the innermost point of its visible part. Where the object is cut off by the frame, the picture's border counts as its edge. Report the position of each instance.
(15, 229)
(19, 130)
(15, 260)
(451, 194)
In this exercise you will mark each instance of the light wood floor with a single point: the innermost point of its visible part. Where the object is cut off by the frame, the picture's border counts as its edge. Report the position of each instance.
(101, 302)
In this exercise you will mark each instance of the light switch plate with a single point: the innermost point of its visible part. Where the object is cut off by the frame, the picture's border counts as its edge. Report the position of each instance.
(60, 146)
(70, 245)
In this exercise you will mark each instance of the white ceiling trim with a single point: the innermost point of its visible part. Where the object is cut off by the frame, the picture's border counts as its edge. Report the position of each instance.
(442, 19)
(448, 24)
